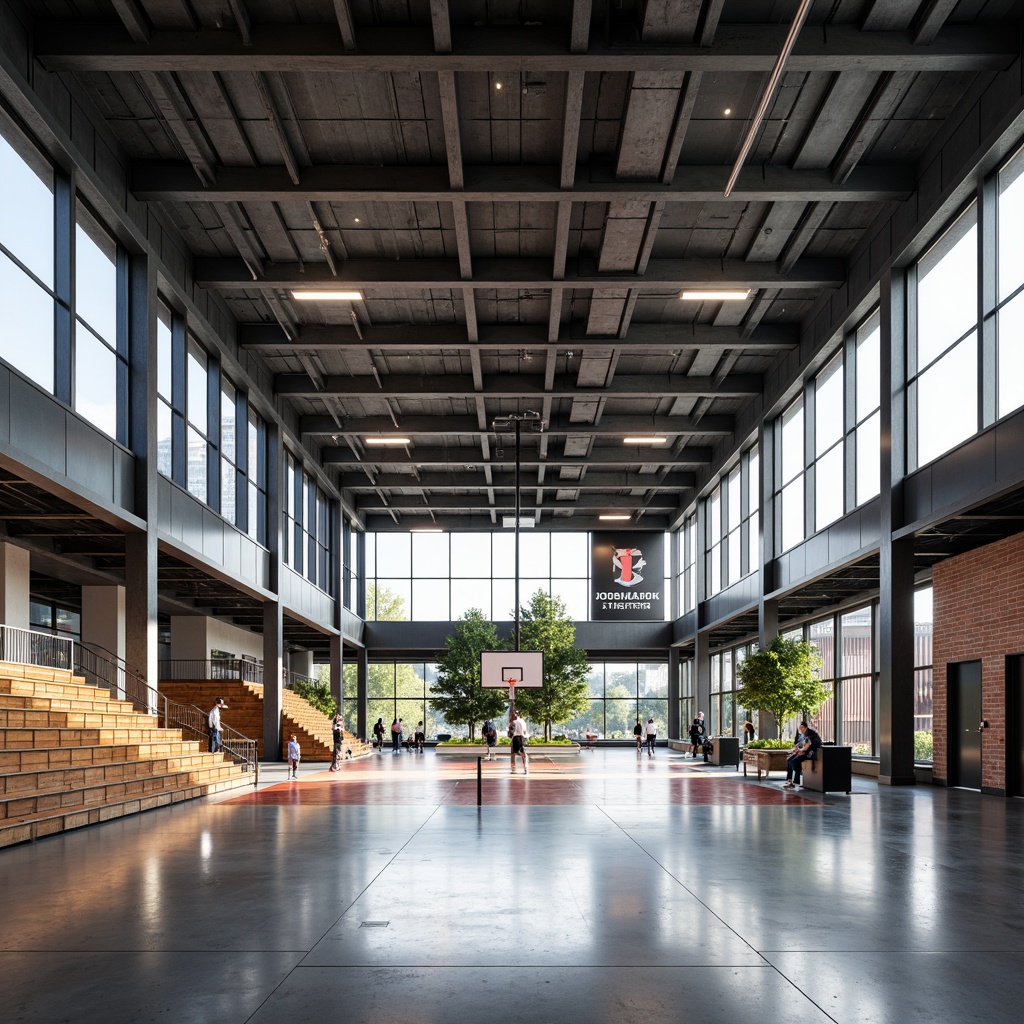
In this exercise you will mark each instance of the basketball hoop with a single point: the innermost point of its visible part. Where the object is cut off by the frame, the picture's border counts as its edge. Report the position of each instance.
(511, 686)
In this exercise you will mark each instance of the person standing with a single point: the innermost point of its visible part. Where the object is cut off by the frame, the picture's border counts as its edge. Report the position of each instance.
(214, 723)
(638, 732)
(652, 735)
(490, 738)
(338, 732)
(396, 736)
(517, 729)
(748, 732)
(420, 736)
(378, 735)
(294, 756)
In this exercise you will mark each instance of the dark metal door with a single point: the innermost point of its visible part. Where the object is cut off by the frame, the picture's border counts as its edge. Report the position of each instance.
(1015, 721)
(965, 719)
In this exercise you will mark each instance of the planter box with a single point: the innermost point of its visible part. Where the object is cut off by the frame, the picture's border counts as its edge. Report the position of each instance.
(765, 761)
(480, 749)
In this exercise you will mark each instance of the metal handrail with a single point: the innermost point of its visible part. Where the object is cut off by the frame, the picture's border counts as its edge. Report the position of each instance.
(32, 647)
(218, 668)
(109, 671)
(291, 678)
(240, 748)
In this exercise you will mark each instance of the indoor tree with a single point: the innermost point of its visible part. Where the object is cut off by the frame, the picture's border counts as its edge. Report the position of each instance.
(545, 626)
(782, 679)
(457, 693)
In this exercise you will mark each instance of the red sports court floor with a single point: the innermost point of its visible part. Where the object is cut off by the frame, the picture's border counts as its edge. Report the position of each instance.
(602, 777)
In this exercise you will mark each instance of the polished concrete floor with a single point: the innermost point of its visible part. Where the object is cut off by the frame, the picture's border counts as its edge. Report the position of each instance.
(641, 897)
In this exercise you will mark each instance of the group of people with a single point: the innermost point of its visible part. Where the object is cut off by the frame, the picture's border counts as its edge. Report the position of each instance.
(414, 741)
(646, 736)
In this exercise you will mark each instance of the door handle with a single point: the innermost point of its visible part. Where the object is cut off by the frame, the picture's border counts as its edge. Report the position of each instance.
(983, 726)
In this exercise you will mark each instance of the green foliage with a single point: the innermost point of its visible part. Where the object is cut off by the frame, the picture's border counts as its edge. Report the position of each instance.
(457, 694)
(319, 695)
(922, 746)
(770, 745)
(546, 626)
(782, 679)
(383, 605)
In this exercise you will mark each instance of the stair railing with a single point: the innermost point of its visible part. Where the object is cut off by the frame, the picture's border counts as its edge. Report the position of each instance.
(32, 647)
(195, 721)
(194, 669)
(106, 670)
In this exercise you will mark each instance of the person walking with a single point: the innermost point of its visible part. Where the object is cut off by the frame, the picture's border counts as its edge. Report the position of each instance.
(638, 732)
(214, 723)
(378, 735)
(294, 757)
(396, 736)
(420, 736)
(652, 735)
(517, 728)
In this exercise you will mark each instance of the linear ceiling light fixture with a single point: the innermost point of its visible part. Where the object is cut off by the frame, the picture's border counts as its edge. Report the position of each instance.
(644, 440)
(614, 518)
(321, 295)
(716, 295)
(769, 89)
(384, 442)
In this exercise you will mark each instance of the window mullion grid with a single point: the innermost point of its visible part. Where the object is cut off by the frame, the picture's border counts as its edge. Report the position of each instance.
(65, 200)
(809, 467)
(850, 371)
(213, 433)
(179, 429)
(121, 346)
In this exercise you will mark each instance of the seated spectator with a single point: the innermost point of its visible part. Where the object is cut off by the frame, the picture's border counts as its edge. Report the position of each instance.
(805, 748)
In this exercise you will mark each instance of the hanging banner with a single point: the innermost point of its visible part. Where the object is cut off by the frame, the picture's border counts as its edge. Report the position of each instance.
(627, 576)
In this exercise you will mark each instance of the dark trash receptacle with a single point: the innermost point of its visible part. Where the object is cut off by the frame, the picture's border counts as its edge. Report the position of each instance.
(726, 751)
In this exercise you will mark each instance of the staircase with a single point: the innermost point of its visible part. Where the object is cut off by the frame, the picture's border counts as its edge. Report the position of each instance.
(70, 755)
(312, 728)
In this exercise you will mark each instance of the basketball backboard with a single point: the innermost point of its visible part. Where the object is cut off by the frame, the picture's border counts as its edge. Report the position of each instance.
(525, 667)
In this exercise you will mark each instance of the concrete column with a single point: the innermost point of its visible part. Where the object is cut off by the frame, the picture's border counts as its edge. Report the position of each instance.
(363, 689)
(14, 581)
(702, 676)
(337, 668)
(273, 646)
(673, 694)
(189, 638)
(301, 663)
(103, 621)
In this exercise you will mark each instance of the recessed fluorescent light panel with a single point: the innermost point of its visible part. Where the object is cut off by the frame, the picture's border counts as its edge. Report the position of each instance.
(614, 518)
(319, 295)
(509, 522)
(384, 442)
(644, 440)
(426, 529)
(720, 295)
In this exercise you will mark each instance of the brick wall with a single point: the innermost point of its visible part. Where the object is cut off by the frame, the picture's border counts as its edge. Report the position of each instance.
(979, 615)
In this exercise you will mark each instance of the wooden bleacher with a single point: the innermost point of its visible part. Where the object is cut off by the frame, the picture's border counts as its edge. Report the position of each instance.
(71, 755)
(245, 713)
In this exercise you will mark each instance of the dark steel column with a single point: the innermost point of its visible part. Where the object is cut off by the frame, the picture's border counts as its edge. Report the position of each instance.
(273, 617)
(673, 693)
(896, 555)
(363, 689)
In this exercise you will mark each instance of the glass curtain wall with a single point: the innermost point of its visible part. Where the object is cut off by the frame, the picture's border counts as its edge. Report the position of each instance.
(923, 674)
(731, 516)
(620, 693)
(440, 576)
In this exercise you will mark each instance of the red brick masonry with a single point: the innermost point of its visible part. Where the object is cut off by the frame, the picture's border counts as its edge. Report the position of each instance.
(979, 614)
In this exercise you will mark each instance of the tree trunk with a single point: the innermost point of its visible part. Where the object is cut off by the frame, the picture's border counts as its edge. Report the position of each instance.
(472, 730)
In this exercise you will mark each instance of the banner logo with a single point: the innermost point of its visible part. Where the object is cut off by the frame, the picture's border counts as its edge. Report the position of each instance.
(628, 561)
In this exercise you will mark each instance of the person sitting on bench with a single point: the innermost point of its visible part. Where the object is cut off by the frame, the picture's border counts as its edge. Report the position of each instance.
(805, 749)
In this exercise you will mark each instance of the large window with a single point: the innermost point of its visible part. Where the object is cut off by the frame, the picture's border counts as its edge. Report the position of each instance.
(923, 674)
(688, 557)
(619, 695)
(309, 520)
(867, 417)
(27, 296)
(435, 576)
(100, 336)
(1010, 291)
(790, 475)
(732, 517)
(197, 404)
(829, 475)
(944, 349)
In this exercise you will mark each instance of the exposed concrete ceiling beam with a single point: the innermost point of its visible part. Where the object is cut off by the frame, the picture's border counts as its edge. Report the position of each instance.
(624, 455)
(406, 503)
(95, 46)
(595, 182)
(663, 275)
(454, 481)
(525, 386)
(345, 25)
(610, 426)
(510, 337)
